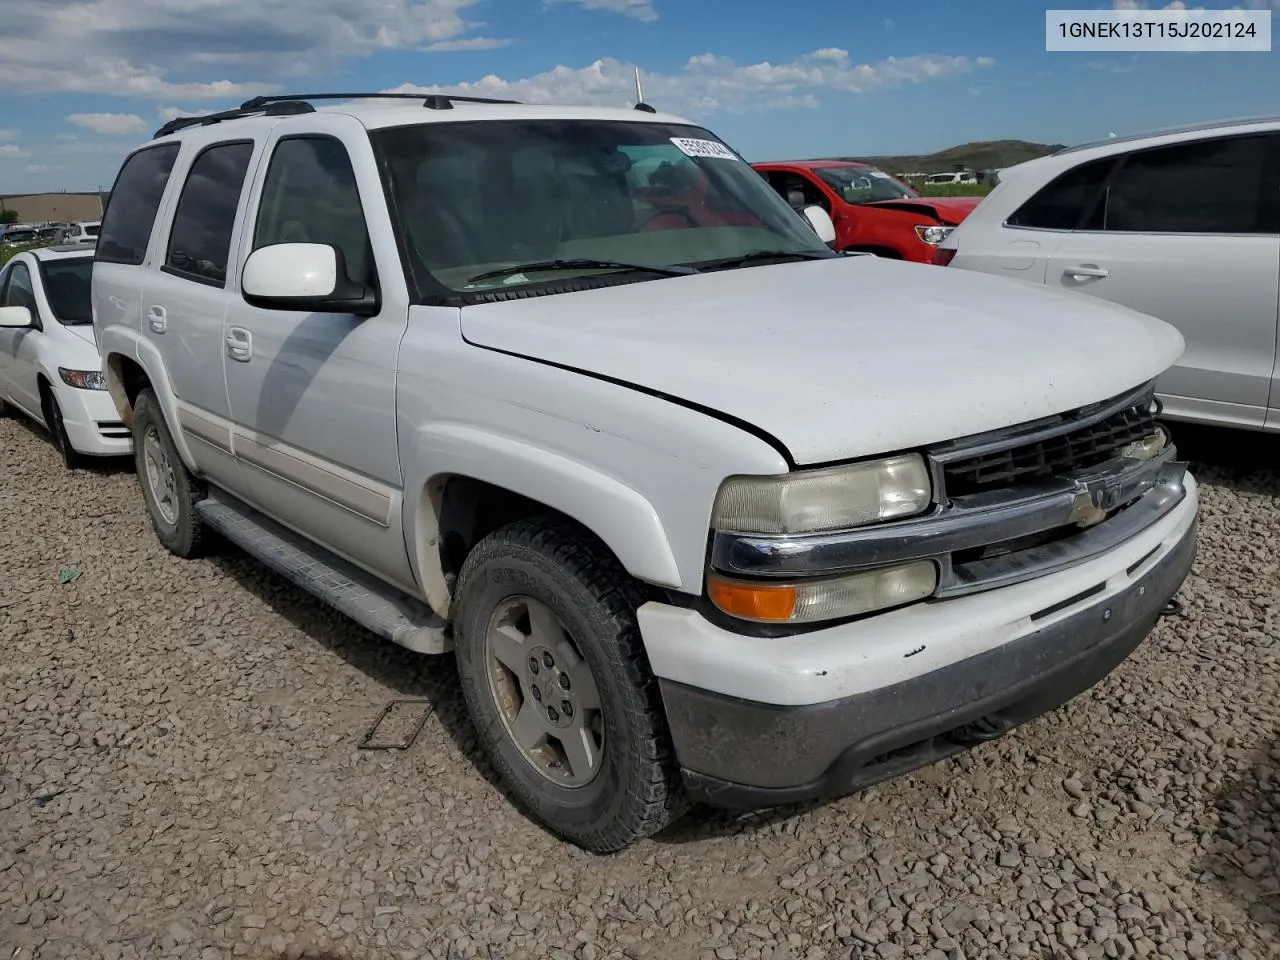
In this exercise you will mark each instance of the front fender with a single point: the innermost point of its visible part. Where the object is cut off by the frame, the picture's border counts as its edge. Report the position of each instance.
(117, 342)
(626, 522)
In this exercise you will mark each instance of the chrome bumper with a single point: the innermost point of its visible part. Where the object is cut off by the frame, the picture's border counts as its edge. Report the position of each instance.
(1093, 511)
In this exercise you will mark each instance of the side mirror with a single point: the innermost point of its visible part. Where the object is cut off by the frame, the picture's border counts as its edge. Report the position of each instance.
(310, 277)
(820, 220)
(19, 317)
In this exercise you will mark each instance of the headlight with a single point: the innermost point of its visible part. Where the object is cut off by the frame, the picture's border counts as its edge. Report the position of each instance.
(83, 379)
(933, 235)
(834, 498)
(811, 601)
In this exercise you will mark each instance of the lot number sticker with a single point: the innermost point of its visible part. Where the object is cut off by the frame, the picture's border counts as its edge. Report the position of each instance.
(692, 147)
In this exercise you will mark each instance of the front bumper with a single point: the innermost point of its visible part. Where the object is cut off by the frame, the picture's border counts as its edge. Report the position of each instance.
(745, 754)
(93, 423)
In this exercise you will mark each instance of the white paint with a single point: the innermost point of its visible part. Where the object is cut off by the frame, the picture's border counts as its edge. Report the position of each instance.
(847, 357)
(30, 351)
(16, 317)
(694, 147)
(871, 654)
(291, 270)
(821, 222)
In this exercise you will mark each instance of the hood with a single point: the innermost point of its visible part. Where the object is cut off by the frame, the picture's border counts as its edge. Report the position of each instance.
(847, 357)
(84, 331)
(949, 210)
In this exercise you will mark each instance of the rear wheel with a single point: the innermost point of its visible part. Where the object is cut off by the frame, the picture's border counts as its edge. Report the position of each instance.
(72, 459)
(169, 489)
(559, 688)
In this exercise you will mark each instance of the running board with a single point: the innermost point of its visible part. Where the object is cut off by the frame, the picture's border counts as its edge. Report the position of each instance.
(375, 605)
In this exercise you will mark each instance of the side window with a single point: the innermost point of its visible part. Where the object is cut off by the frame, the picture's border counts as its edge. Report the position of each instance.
(1208, 186)
(310, 196)
(200, 241)
(1065, 200)
(135, 200)
(799, 191)
(19, 292)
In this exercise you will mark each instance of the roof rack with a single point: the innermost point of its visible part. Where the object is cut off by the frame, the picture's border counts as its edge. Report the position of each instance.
(289, 104)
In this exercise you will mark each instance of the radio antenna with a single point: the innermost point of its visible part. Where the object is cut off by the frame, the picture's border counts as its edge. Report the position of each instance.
(640, 104)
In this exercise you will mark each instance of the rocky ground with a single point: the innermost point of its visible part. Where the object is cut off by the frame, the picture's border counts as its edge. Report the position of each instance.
(180, 777)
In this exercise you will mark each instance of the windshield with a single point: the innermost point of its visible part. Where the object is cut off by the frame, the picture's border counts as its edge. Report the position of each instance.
(66, 286)
(864, 184)
(477, 198)
(19, 236)
(91, 229)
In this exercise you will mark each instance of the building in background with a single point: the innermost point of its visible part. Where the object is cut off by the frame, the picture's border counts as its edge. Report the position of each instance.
(54, 207)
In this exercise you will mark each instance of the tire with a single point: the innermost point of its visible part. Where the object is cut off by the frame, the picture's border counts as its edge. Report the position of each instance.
(72, 459)
(633, 789)
(168, 488)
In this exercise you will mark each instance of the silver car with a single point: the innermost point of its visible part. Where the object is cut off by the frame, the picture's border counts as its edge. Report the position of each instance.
(1183, 225)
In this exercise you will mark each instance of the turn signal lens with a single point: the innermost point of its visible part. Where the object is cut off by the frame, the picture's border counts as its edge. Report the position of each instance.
(812, 601)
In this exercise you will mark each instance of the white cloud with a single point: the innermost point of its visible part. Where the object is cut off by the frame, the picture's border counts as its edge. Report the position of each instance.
(108, 124)
(636, 9)
(209, 49)
(10, 150)
(711, 84)
(36, 168)
(8, 135)
(467, 43)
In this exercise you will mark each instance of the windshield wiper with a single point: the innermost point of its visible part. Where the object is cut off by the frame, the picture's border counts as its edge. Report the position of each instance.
(761, 256)
(581, 263)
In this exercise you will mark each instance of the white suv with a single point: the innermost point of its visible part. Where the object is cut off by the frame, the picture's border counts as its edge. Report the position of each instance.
(707, 511)
(1183, 225)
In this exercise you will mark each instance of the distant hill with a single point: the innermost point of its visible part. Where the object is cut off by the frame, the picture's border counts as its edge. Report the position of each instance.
(981, 155)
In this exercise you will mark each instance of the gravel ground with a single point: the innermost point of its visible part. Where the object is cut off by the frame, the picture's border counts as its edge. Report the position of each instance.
(180, 777)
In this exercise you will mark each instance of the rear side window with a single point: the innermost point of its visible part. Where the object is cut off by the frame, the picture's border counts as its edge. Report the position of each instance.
(135, 200)
(1066, 200)
(200, 241)
(310, 196)
(1208, 186)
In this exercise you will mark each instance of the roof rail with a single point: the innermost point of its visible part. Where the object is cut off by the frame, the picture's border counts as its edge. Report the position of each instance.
(432, 101)
(288, 104)
(269, 110)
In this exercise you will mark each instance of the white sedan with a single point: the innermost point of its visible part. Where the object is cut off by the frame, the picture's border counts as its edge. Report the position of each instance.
(50, 369)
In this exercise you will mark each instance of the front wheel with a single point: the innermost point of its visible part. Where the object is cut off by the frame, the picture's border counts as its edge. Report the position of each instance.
(169, 489)
(559, 688)
(72, 459)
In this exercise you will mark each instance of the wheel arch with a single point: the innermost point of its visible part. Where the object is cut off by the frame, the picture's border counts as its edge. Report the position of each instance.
(480, 482)
(132, 364)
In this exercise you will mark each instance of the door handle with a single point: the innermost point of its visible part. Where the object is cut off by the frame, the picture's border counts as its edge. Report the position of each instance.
(239, 344)
(1083, 271)
(157, 318)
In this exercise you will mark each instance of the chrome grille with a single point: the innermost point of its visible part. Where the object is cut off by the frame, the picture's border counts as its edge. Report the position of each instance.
(1051, 457)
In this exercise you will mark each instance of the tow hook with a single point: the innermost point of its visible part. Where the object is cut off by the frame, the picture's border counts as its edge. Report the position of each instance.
(1171, 609)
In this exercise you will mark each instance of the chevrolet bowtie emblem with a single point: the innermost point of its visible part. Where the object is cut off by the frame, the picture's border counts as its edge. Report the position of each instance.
(1084, 512)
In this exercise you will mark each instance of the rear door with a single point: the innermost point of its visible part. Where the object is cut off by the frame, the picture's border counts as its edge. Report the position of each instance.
(1188, 233)
(185, 304)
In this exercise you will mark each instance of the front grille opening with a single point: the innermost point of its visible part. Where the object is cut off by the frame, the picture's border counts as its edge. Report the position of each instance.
(1004, 548)
(1042, 460)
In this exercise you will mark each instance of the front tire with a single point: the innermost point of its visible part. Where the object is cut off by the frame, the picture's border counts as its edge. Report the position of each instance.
(559, 688)
(169, 489)
(72, 459)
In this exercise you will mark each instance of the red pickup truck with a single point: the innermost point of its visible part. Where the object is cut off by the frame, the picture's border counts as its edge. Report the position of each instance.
(872, 211)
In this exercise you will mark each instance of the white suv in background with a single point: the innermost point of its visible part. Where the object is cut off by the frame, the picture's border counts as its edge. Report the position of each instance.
(706, 510)
(1183, 225)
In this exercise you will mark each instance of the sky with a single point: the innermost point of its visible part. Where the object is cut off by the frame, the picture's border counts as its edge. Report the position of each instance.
(85, 81)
